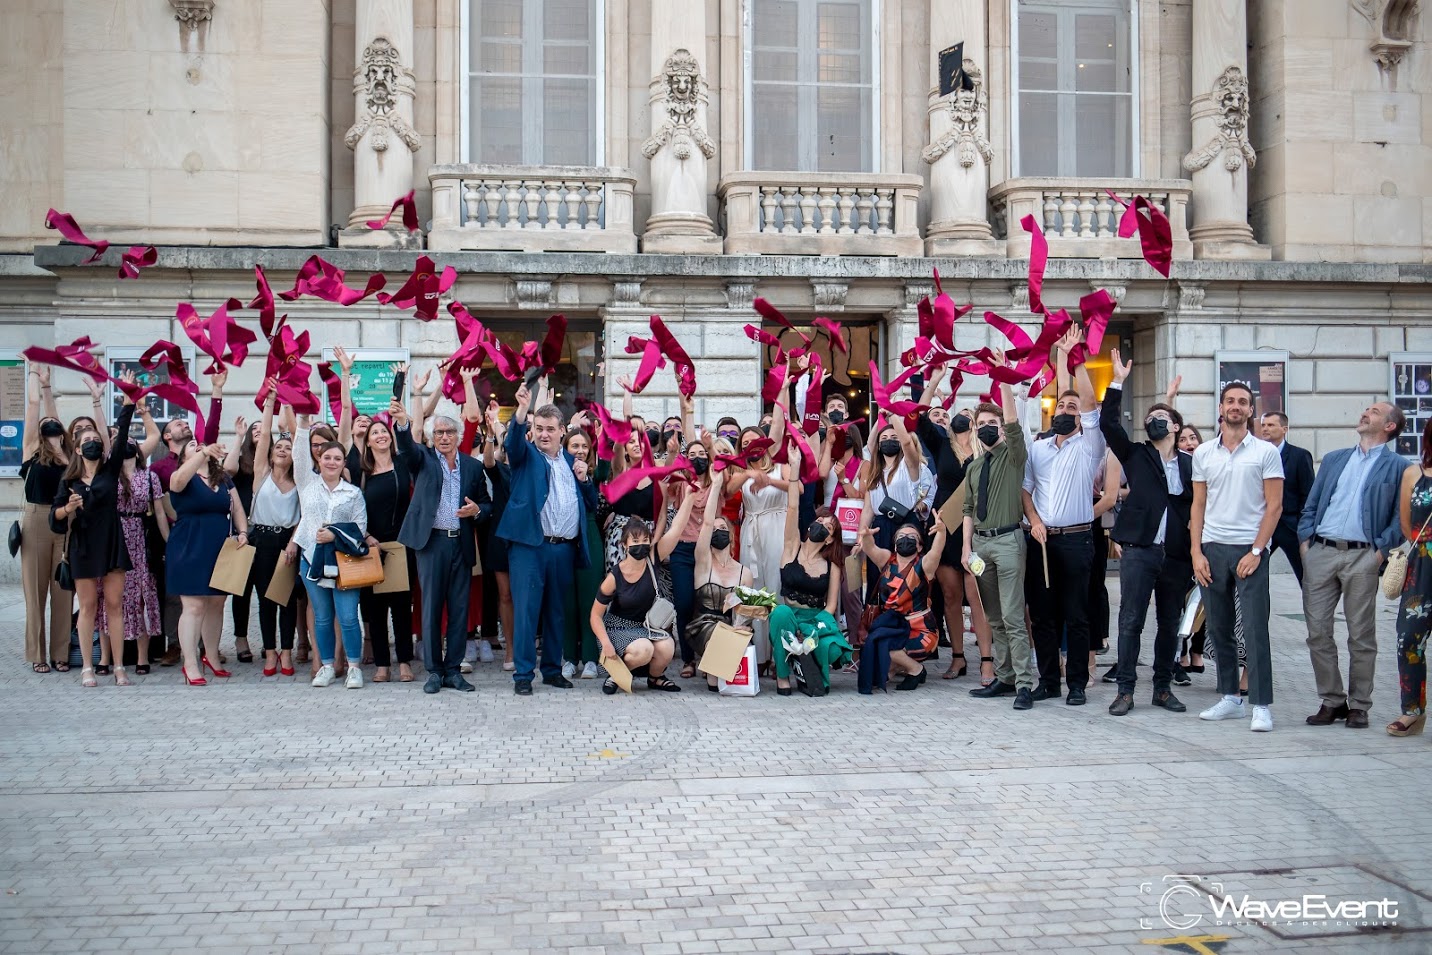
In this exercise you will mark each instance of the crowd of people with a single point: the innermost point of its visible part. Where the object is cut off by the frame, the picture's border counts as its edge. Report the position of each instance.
(512, 529)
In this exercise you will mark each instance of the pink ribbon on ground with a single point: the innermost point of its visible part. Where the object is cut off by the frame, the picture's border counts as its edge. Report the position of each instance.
(422, 289)
(138, 257)
(324, 280)
(1155, 231)
(651, 360)
(65, 225)
(410, 213)
(671, 348)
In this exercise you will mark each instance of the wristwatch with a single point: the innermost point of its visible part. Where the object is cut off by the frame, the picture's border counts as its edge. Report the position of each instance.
(1257, 551)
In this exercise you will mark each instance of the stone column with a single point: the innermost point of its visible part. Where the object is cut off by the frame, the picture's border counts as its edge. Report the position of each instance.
(382, 139)
(1222, 154)
(959, 153)
(679, 146)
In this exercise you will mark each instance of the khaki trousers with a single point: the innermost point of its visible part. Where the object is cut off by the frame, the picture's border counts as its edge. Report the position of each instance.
(1330, 575)
(40, 553)
(1001, 589)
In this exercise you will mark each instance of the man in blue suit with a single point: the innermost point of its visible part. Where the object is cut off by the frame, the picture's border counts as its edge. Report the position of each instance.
(1348, 526)
(449, 500)
(546, 524)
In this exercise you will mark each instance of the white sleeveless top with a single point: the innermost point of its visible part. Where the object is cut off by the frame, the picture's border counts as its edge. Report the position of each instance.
(275, 508)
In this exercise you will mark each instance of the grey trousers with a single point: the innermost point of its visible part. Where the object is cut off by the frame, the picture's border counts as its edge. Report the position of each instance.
(1253, 603)
(1001, 589)
(1330, 575)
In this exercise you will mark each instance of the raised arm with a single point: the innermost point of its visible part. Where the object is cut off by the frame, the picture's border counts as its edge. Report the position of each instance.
(345, 396)
(37, 384)
(494, 435)
(879, 556)
(151, 430)
(186, 471)
(471, 407)
(115, 462)
(672, 536)
(231, 460)
(1111, 423)
(1113, 474)
(96, 391)
(265, 438)
(931, 561)
(909, 447)
(712, 511)
(793, 511)
(216, 407)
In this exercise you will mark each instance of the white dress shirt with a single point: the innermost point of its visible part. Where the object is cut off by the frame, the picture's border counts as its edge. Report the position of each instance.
(560, 514)
(1235, 504)
(1060, 477)
(1175, 487)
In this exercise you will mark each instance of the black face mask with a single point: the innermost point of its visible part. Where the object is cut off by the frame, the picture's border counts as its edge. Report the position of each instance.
(1063, 424)
(720, 540)
(821, 432)
(836, 416)
(889, 447)
(907, 546)
(131, 451)
(52, 429)
(666, 437)
(654, 438)
(959, 424)
(989, 435)
(92, 450)
(700, 466)
(639, 551)
(1156, 428)
(818, 534)
(766, 430)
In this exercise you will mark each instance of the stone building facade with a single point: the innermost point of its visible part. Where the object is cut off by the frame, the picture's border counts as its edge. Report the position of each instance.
(611, 159)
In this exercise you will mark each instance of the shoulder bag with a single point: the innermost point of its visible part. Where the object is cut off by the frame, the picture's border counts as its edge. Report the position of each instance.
(662, 615)
(358, 572)
(1394, 574)
(64, 576)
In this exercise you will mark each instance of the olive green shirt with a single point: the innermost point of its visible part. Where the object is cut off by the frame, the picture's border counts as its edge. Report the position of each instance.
(1006, 480)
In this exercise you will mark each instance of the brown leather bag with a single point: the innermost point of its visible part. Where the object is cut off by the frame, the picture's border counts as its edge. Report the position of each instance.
(358, 572)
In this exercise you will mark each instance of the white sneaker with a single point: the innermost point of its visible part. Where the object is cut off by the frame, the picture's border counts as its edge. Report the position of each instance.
(569, 669)
(355, 678)
(589, 672)
(325, 675)
(509, 666)
(1262, 719)
(1225, 710)
(470, 652)
(484, 651)
(464, 667)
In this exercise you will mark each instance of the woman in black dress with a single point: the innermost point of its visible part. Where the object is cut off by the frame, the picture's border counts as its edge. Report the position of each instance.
(86, 507)
(47, 453)
(387, 489)
(239, 465)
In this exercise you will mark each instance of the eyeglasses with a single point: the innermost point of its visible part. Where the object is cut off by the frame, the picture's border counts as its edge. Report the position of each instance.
(728, 434)
(441, 432)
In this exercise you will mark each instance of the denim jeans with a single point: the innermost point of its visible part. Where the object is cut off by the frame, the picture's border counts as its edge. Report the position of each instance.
(326, 603)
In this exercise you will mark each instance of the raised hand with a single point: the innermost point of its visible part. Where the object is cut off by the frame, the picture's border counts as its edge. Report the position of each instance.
(1121, 368)
(420, 382)
(399, 413)
(95, 390)
(216, 452)
(345, 360)
(579, 469)
(467, 374)
(241, 425)
(1069, 339)
(625, 382)
(218, 380)
(524, 399)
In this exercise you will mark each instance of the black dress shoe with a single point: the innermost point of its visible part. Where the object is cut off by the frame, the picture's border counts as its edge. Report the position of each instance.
(1042, 692)
(1168, 701)
(559, 681)
(522, 688)
(1328, 715)
(1357, 719)
(455, 681)
(994, 689)
(1024, 700)
(1111, 675)
(435, 683)
(1121, 705)
(1076, 697)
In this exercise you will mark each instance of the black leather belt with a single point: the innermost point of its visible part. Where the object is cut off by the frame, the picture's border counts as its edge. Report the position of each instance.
(1069, 529)
(267, 529)
(559, 540)
(997, 531)
(1342, 545)
(448, 531)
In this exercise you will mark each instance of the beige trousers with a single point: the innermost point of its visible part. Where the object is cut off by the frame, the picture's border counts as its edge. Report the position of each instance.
(40, 554)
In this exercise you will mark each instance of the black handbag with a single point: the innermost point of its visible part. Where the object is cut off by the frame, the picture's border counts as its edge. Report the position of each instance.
(63, 574)
(15, 538)
(893, 510)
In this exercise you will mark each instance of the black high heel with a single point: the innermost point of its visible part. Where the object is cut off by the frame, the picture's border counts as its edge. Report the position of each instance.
(950, 674)
(988, 660)
(783, 691)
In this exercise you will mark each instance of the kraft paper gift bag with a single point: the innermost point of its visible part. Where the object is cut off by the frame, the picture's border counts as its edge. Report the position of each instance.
(280, 587)
(617, 669)
(395, 569)
(231, 570)
(724, 651)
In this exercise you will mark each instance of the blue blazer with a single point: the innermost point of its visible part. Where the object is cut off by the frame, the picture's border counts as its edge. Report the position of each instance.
(426, 469)
(522, 517)
(1380, 520)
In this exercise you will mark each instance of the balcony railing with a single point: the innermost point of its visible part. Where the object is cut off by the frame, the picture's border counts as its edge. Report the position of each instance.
(532, 208)
(826, 213)
(1080, 220)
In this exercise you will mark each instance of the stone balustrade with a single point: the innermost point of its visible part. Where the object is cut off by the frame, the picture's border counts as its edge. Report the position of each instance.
(532, 208)
(775, 213)
(1080, 220)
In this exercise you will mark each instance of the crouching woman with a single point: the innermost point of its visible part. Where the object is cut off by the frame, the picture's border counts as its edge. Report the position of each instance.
(905, 632)
(619, 614)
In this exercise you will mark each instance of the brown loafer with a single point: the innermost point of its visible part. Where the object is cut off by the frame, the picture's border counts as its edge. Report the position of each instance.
(1328, 715)
(1357, 719)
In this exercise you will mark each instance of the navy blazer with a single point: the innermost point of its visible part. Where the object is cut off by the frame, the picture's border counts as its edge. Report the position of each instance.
(1381, 523)
(426, 468)
(1297, 482)
(522, 517)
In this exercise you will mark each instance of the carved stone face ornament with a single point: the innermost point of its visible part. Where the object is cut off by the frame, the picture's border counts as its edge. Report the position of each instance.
(382, 80)
(683, 91)
(966, 108)
(1230, 95)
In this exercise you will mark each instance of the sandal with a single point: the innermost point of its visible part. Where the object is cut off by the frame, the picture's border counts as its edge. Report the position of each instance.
(102, 670)
(688, 670)
(59, 667)
(990, 661)
(950, 674)
(40, 667)
(662, 683)
(121, 678)
(244, 656)
(380, 675)
(88, 680)
(142, 669)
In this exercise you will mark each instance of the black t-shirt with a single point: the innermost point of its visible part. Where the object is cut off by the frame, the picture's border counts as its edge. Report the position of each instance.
(387, 496)
(42, 481)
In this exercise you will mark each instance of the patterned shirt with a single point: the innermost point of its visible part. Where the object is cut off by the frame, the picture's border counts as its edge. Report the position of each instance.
(561, 514)
(445, 518)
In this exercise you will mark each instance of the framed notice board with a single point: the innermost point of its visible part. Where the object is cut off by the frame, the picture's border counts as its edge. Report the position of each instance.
(1264, 372)
(372, 384)
(12, 412)
(119, 360)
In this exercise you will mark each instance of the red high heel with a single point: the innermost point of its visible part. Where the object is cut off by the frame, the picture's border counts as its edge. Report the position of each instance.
(274, 670)
(193, 682)
(204, 662)
(286, 671)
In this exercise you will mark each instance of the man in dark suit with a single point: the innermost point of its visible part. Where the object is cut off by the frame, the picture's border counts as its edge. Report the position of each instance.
(449, 500)
(1152, 529)
(1297, 485)
(545, 522)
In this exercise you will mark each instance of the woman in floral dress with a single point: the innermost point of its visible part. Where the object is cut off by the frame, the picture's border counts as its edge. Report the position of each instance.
(1414, 616)
(139, 490)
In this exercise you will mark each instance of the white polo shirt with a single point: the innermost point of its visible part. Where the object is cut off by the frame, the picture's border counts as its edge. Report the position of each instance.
(1235, 504)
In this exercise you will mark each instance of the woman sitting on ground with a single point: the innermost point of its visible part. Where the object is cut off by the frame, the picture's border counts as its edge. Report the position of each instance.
(619, 613)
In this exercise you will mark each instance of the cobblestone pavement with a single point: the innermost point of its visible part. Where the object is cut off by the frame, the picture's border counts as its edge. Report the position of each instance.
(265, 816)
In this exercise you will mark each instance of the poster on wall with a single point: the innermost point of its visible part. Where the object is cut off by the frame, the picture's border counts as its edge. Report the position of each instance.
(12, 412)
(120, 360)
(372, 382)
(1264, 372)
(1411, 389)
